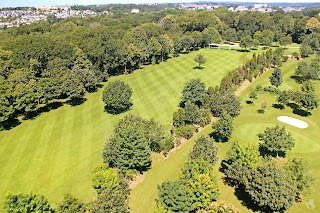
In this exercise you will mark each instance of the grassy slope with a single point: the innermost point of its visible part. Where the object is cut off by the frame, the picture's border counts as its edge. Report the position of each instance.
(250, 123)
(55, 153)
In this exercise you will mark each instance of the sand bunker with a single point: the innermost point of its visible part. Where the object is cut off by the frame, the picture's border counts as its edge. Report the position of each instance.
(293, 122)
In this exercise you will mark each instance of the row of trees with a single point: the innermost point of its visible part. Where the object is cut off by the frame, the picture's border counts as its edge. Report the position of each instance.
(197, 186)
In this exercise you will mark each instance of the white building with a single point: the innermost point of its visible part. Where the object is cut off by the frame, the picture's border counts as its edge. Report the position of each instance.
(135, 10)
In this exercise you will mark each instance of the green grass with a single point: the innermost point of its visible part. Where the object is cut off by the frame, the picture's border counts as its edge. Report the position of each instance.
(55, 152)
(250, 123)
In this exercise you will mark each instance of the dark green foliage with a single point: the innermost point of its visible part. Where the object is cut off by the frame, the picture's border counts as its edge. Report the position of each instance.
(305, 50)
(117, 97)
(275, 140)
(253, 95)
(284, 41)
(193, 91)
(284, 98)
(224, 102)
(205, 117)
(174, 196)
(246, 42)
(300, 173)
(206, 149)
(128, 148)
(167, 144)
(179, 118)
(70, 204)
(200, 59)
(276, 77)
(111, 201)
(271, 89)
(26, 203)
(271, 188)
(223, 127)
(185, 131)
(191, 113)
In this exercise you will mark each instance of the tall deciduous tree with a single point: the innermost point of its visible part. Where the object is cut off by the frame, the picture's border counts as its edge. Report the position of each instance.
(194, 91)
(117, 97)
(128, 147)
(276, 140)
(70, 204)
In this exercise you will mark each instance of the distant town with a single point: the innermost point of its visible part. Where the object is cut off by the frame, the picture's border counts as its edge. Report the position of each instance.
(10, 17)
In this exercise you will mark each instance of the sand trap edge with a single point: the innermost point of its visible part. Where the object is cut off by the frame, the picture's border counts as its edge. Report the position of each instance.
(293, 122)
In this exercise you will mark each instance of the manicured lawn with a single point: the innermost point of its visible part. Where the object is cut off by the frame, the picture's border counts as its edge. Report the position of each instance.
(250, 123)
(55, 152)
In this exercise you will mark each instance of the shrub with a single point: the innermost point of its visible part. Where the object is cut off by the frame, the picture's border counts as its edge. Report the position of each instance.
(271, 89)
(186, 131)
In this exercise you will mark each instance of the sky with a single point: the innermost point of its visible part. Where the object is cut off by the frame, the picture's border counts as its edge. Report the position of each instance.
(16, 3)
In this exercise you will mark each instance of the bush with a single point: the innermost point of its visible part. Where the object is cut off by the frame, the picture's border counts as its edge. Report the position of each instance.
(271, 89)
(205, 117)
(285, 58)
(258, 88)
(167, 144)
(186, 131)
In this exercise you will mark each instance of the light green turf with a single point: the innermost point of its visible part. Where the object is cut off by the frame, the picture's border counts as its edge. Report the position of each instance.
(55, 153)
(250, 123)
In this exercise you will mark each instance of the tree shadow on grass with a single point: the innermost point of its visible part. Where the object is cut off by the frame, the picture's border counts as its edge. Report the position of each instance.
(46, 108)
(278, 106)
(116, 111)
(301, 112)
(76, 101)
(243, 50)
(198, 68)
(298, 79)
(249, 102)
(218, 138)
(246, 200)
(9, 124)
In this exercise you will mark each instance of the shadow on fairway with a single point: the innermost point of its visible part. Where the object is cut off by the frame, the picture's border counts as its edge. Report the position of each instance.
(9, 124)
(46, 108)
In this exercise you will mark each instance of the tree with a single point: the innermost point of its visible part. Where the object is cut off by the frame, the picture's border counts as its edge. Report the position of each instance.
(219, 207)
(112, 201)
(193, 91)
(191, 113)
(276, 141)
(26, 203)
(223, 127)
(70, 204)
(284, 98)
(253, 95)
(245, 154)
(305, 50)
(6, 107)
(313, 24)
(271, 188)
(300, 173)
(103, 177)
(206, 149)
(276, 77)
(128, 147)
(309, 100)
(246, 42)
(200, 59)
(202, 191)
(228, 102)
(284, 41)
(117, 97)
(173, 196)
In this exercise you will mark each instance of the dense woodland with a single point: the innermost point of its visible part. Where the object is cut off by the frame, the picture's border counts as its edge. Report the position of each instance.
(45, 63)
